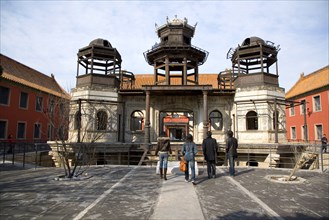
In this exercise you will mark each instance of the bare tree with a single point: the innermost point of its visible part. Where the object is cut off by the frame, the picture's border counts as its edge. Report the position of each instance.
(300, 158)
(74, 157)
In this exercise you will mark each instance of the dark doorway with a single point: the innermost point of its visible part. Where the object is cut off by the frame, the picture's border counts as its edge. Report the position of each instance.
(176, 124)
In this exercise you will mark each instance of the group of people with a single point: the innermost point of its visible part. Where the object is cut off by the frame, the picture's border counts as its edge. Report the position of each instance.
(189, 150)
(209, 148)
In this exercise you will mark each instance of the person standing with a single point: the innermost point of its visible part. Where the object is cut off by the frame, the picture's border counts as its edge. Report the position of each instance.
(163, 150)
(189, 150)
(231, 151)
(324, 142)
(209, 147)
(10, 144)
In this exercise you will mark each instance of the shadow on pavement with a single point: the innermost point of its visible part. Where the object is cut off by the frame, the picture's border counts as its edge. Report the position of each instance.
(256, 216)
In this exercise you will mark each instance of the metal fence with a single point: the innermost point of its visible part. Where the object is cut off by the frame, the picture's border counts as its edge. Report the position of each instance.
(308, 155)
(249, 155)
(25, 154)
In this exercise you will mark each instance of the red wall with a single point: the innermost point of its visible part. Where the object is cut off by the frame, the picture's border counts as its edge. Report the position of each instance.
(14, 114)
(312, 118)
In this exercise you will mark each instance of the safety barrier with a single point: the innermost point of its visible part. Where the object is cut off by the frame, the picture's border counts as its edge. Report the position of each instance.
(249, 155)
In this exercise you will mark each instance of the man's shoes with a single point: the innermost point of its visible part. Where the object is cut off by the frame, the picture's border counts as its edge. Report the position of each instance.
(186, 181)
(193, 182)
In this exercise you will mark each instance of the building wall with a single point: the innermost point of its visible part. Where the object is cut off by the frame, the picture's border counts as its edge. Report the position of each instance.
(313, 117)
(177, 104)
(92, 101)
(259, 99)
(232, 108)
(13, 114)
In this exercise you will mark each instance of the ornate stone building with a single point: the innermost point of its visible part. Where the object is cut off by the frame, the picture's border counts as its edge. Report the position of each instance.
(110, 105)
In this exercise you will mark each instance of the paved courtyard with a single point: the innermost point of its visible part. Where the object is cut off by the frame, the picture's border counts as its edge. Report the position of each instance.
(121, 192)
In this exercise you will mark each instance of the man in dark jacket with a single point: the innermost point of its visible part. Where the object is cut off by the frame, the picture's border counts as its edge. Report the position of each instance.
(324, 142)
(209, 147)
(231, 146)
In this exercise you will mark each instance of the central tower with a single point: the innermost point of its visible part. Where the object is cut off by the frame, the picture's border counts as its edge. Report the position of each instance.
(175, 59)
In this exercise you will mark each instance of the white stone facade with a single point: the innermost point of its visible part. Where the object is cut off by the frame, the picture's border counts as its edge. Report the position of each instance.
(260, 99)
(98, 100)
(233, 109)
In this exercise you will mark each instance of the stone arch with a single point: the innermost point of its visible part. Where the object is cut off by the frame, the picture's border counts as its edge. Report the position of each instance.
(77, 120)
(252, 120)
(101, 120)
(137, 121)
(216, 120)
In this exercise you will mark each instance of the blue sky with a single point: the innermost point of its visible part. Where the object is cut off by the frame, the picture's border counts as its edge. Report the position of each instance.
(46, 35)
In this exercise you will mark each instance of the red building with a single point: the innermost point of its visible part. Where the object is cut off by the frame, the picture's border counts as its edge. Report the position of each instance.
(314, 90)
(33, 106)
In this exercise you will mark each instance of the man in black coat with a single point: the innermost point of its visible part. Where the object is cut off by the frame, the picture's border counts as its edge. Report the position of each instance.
(231, 151)
(209, 147)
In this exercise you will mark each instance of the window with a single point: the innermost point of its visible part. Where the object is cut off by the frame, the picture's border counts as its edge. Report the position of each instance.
(38, 104)
(23, 101)
(316, 103)
(4, 95)
(21, 130)
(302, 107)
(216, 120)
(37, 131)
(292, 109)
(3, 128)
(318, 132)
(52, 107)
(77, 120)
(304, 132)
(60, 133)
(293, 133)
(275, 118)
(101, 120)
(252, 121)
(137, 121)
(62, 108)
(49, 132)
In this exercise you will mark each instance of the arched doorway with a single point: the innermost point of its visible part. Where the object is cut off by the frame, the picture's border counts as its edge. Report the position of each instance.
(176, 124)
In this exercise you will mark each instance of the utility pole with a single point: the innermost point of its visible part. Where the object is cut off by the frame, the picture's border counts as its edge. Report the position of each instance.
(305, 124)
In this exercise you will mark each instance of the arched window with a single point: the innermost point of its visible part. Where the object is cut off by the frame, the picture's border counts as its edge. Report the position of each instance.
(101, 120)
(77, 120)
(277, 119)
(252, 120)
(60, 133)
(216, 120)
(137, 121)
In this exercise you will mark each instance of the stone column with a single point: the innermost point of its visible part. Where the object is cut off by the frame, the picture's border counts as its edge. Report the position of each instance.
(79, 121)
(196, 71)
(147, 118)
(261, 59)
(276, 138)
(205, 113)
(184, 72)
(167, 71)
(155, 73)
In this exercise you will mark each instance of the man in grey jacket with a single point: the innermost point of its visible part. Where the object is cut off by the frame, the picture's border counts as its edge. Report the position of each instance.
(209, 147)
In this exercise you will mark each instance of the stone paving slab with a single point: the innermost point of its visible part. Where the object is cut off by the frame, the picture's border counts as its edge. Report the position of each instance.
(177, 200)
(223, 197)
(121, 192)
